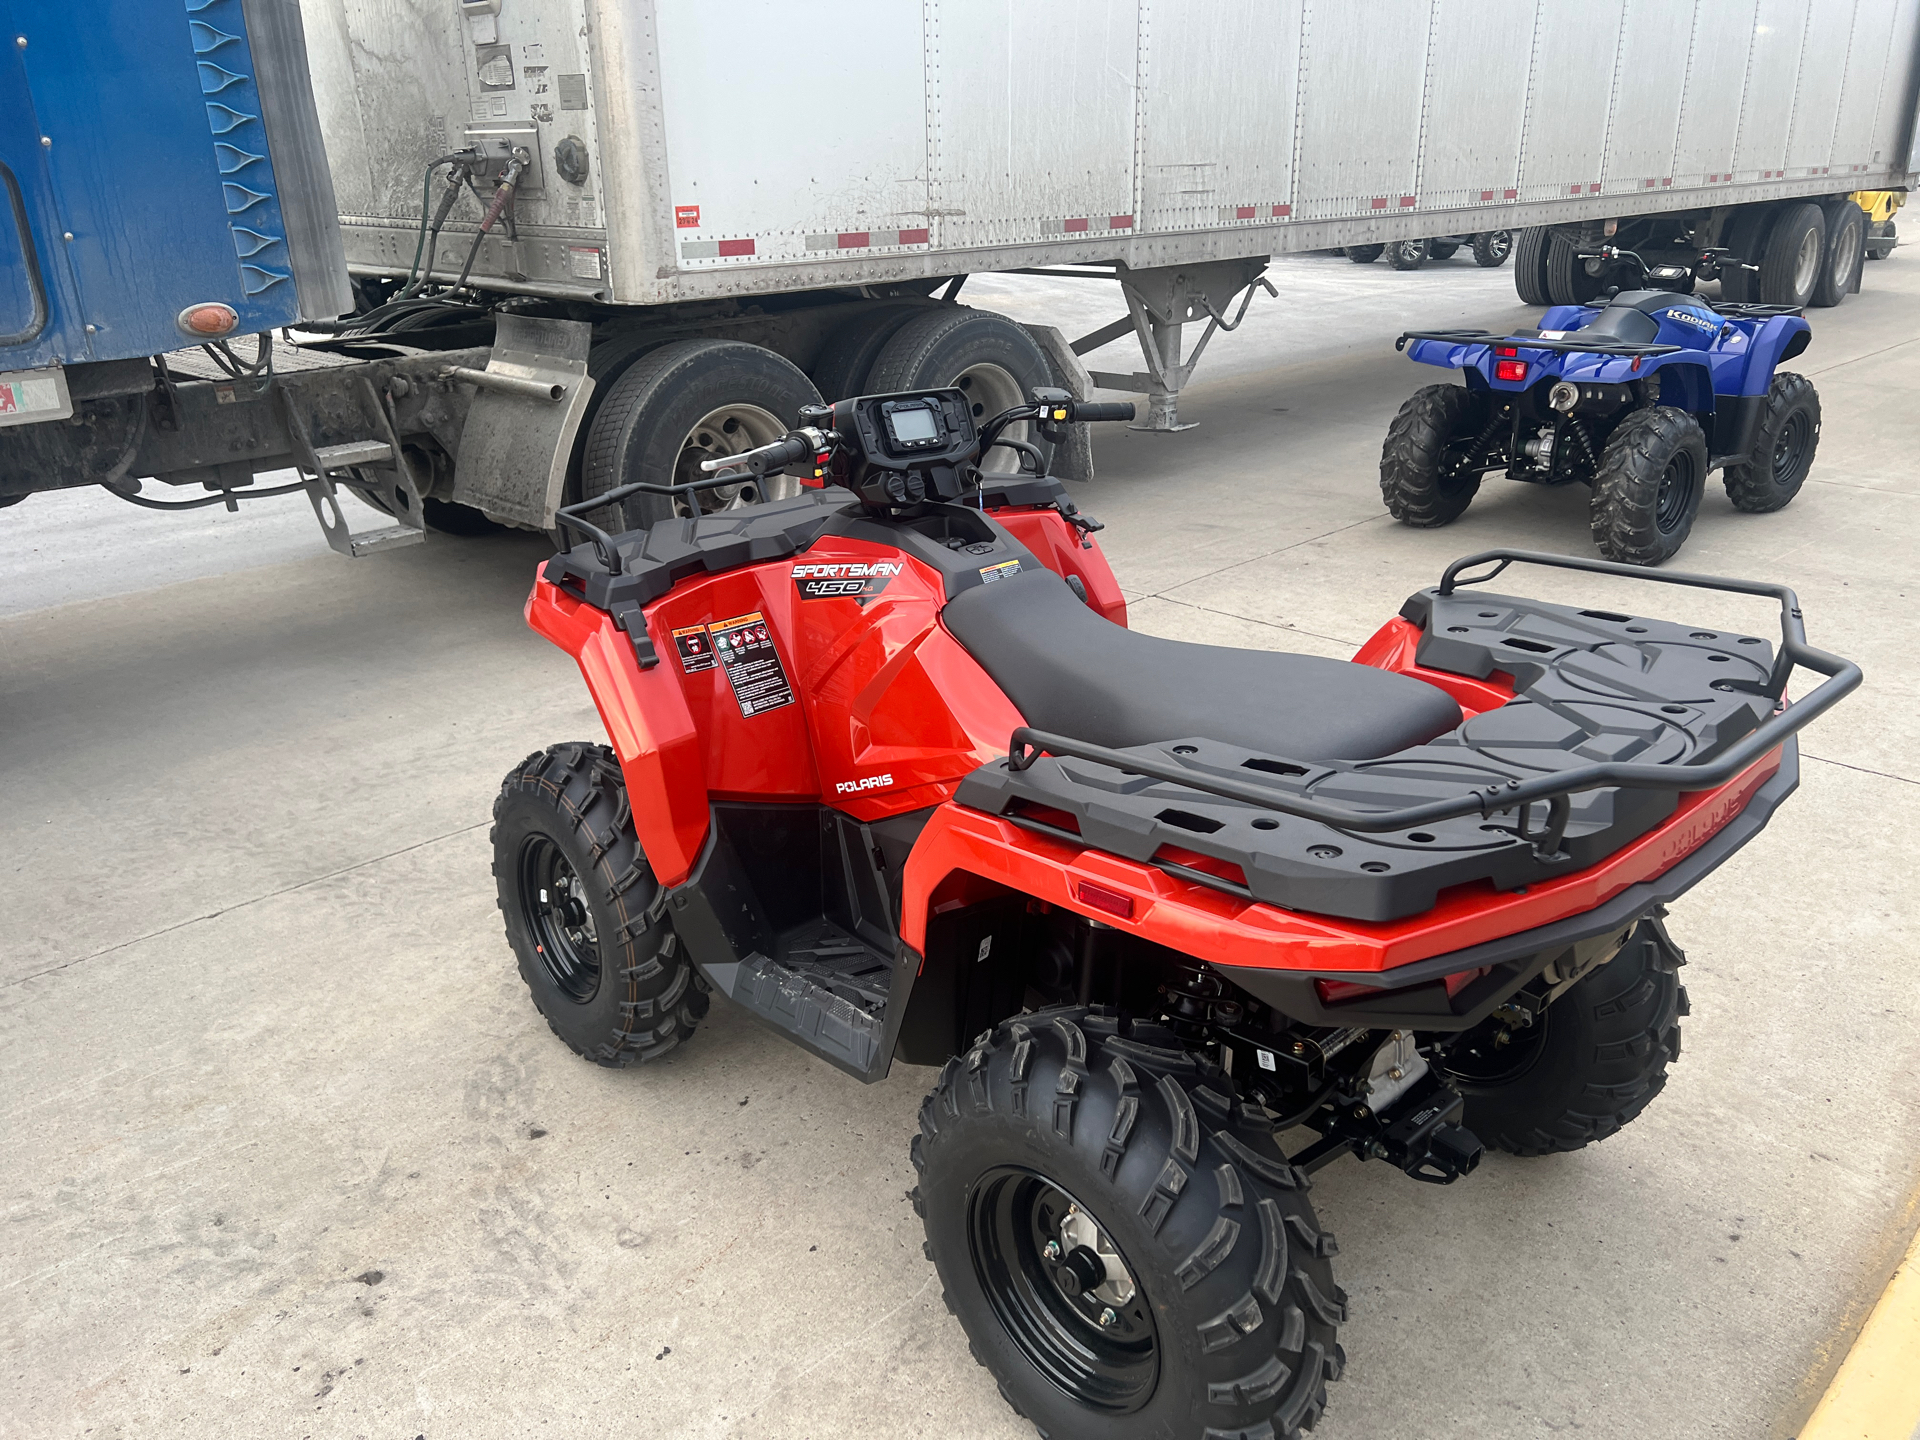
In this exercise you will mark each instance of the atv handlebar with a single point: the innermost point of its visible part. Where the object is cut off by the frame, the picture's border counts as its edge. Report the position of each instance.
(1104, 410)
(1843, 676)
(782, 452)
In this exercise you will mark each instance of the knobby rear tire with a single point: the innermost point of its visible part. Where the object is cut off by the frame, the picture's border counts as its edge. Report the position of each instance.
(1213, 1224)
(1771, 479)
(1412, 482)
(1626, 514)
(1599, 1060)
(646, 999)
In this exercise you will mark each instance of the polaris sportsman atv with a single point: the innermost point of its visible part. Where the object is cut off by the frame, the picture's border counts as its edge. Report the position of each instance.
(889, 772)
(1638, 397)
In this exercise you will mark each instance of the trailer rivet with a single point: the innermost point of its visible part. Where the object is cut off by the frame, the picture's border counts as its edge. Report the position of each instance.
(91, 330)
(21, 41)
(46, 142)
(66, 235)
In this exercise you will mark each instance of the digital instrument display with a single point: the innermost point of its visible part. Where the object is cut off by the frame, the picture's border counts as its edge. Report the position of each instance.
(912, 425)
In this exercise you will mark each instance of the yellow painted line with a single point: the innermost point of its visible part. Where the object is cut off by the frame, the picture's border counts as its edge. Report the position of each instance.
(1876, 1394)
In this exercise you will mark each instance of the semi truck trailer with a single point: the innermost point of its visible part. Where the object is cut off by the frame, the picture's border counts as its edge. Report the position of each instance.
(471, 260)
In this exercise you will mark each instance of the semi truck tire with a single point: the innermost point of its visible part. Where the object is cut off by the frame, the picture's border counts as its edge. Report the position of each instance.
(1442, 249)
(846, 359)
(1796, 249)
(1530, 265)
(1364, 254)
(1845, 251)
(996, 362)
(1568, 282)
(682, 403)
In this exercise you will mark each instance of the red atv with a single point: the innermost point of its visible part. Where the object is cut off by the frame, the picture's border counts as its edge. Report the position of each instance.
(890, 773)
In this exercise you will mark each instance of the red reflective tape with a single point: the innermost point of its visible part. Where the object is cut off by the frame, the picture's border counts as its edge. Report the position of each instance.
(1243, 212)
(1593, 189)
(1074, 227)
(1646, 184)
(736, 247)
(1486, 194)
(1380, 203)
(1667, 181)
(1280, 212)
(1575, 190)
(1119, 222)
(855, 239)
(1407, 202)
(913, 237)
(1509, 194)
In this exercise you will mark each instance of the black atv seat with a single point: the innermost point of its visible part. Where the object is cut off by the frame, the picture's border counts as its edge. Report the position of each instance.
(1629, 316)
(1071, 671)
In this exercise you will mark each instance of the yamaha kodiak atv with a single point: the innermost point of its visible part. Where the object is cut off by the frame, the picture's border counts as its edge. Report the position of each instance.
(1638, 397)
(1180, 924)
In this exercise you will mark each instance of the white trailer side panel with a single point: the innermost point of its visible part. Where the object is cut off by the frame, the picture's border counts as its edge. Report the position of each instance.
(899, 140)
(1573, 62)
(1216, 141)
(1711, 104)
(791, 177)
(1362, 76)
(1473, 151)
(1650, 76)
(1034, 113)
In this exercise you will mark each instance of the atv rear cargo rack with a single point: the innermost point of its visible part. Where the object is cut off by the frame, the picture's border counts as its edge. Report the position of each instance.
(1573, 345)
(1143, 800)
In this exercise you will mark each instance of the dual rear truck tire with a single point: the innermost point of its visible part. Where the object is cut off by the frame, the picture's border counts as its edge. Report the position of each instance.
(652, 403)
(1226, 1323)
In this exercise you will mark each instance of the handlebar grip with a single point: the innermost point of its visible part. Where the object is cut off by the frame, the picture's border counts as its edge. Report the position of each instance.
(1106, 410)
(767, 457)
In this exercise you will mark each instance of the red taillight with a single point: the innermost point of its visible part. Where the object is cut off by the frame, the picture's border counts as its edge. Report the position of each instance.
(1101, 898)
(1332, 992)
(1506, 350)
(1510, 370)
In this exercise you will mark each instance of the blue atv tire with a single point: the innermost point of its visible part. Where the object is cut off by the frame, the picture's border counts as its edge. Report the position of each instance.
(1648, 487)
(1421, 476)
(1782, 450)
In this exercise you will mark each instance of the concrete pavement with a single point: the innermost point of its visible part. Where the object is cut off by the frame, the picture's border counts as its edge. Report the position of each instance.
(288, 1151)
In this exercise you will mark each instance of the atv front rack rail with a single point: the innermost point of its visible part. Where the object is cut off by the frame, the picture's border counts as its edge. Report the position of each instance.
(1572, 346)
(571, 517)
(1843, 676)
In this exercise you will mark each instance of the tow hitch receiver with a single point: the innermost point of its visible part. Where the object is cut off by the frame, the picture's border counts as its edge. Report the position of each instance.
(1418, 1133)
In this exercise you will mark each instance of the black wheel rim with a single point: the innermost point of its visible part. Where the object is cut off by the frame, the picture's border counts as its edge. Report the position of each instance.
(554, 902)
(1492, 1054)
(1675, 501)
(1792, 448)
(1015, 1223)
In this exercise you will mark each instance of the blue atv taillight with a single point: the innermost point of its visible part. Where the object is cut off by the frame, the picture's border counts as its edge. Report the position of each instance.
(1510, 370)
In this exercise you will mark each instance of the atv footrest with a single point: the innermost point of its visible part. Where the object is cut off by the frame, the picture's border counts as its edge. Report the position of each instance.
(823, 987)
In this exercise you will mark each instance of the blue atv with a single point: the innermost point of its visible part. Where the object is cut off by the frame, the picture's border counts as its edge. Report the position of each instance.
(1638, 397)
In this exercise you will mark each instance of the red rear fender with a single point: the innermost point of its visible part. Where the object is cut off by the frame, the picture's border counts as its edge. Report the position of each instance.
(648, 722)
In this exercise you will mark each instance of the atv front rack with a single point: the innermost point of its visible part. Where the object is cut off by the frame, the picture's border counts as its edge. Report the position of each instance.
(1571, 346)
(1706, 706)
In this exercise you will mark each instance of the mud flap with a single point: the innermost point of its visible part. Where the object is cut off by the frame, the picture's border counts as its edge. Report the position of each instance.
(519, 432)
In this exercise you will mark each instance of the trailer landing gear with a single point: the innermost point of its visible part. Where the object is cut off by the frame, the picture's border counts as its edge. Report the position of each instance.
(1160, 302)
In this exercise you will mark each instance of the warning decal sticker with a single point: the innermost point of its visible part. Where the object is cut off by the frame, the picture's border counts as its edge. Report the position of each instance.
(853, 580)
(991, 573)
(695, 649)
(745, 650)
